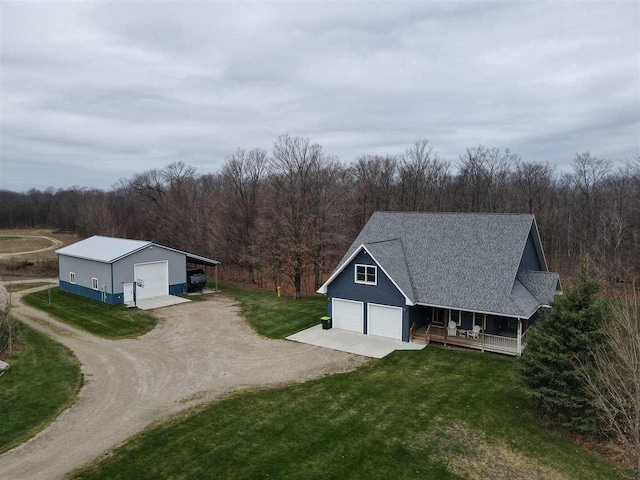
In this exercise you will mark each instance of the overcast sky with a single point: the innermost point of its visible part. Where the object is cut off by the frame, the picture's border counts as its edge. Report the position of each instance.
(91, 92)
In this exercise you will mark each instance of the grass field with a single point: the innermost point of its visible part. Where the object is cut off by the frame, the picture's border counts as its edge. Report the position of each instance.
(18, 287)
(27, 243)
(43, 380)
(12, 244)
(108, 321)
(434, 413)
(276, 317)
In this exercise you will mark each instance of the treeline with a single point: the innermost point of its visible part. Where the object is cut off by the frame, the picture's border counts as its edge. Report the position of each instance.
(286, 216)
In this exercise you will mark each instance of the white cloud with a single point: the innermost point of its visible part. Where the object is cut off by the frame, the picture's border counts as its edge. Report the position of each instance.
(90, 92)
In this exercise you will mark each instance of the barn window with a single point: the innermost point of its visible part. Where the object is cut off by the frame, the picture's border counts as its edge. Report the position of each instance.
(94, 283)
(366, 274)
(72, 277)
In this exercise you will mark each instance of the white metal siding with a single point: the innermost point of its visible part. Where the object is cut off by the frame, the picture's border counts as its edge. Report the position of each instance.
(347, 315)
(154, 277)
(384, 321)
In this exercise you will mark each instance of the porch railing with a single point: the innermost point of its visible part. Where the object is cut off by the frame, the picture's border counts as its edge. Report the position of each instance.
(487, 341)
(497, 341)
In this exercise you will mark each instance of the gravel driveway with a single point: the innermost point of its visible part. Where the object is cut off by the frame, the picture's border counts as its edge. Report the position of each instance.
(198, 352)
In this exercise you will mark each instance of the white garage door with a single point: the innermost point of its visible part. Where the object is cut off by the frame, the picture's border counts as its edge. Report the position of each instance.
(154, 278)
(347, 315)
(384, 321)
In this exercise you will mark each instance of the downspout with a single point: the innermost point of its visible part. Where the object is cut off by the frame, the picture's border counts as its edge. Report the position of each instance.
(112, 280)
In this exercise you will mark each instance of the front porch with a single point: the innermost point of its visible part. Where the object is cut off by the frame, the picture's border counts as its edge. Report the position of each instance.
(482, 332)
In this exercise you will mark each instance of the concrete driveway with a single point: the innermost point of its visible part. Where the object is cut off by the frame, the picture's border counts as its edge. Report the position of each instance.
(159, 302)
(352, 342)
(199, 351)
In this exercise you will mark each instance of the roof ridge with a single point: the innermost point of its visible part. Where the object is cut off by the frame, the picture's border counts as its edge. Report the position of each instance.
(454, 213)
(382, 241)
(539, 271)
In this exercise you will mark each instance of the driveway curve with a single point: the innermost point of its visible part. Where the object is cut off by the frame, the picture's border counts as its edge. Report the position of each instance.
(198, 352)
(55, 243)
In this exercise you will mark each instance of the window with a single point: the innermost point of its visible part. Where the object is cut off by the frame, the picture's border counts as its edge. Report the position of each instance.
(366, 274)
(72, 277)
(94, 283)
(454, 316)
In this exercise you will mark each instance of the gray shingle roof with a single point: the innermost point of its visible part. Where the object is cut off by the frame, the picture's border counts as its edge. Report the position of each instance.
(460, 260)
(390, 255)
(542, 285)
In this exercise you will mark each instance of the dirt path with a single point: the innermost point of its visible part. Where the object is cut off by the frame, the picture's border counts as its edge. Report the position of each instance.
(54, 244)
(198, 352)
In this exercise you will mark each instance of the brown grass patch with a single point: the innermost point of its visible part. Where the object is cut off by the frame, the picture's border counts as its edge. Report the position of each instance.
(469, 455)
(16, 244)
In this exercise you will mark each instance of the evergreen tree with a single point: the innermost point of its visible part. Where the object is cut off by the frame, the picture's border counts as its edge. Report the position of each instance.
(563, 338)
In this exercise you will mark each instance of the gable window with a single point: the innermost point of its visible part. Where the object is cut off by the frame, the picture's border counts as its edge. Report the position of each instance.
(94, 283)
(72, 277)
(366, 274)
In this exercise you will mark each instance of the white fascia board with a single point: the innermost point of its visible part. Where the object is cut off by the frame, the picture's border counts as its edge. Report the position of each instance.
(539, 245)
(449, 307)
(323, 288)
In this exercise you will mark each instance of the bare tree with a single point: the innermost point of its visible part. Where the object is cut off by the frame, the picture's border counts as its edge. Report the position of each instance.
(244, 175)
(614, 381)
(421, 172)
(294, 166)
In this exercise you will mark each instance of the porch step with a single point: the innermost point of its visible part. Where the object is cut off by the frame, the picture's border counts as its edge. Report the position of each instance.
(419, 337)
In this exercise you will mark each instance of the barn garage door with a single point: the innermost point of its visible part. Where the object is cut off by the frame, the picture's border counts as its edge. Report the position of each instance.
(154, 278)
(348, 315)
(384, 321)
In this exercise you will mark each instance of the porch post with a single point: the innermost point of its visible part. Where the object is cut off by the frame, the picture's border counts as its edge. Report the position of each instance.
(484, 328)
(519, 348)
(215, 267)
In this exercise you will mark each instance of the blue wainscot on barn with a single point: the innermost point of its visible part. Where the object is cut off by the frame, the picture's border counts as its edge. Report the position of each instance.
(113, 270)
(473, 280)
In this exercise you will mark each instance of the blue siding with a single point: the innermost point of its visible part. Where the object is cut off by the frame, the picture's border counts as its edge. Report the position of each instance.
(530, 260)
(178, 289)
(384, 293)
(90, 293)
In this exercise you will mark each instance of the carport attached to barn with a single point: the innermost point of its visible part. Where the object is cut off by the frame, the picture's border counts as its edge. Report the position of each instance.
(110, 269)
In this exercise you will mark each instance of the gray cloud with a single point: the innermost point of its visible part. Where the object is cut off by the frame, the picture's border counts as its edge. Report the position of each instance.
(90, 92)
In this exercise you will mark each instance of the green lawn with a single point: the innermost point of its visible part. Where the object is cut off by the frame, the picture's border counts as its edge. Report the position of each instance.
(43, 380)
(108, 321)
(276, 317)
(18, 287)
(435, 413)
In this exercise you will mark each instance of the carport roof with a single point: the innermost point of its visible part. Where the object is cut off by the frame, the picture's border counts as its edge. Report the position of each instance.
(110, 249)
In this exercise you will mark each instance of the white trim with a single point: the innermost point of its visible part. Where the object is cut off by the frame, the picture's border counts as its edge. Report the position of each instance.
(323, 288)
(544, 258)
(366, 274)
(96, 282)
(476, 311)
(386, 306)
(72, 278)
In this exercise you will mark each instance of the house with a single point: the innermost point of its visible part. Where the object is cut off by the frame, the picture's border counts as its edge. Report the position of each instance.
(110, 269)
(467, 279)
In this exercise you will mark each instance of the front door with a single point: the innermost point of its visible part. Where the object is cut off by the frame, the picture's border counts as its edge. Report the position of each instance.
(128, 292)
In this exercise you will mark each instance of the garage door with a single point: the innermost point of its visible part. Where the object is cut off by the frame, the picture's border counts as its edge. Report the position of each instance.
(384, 321)
(152, 279)
(348, 315)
